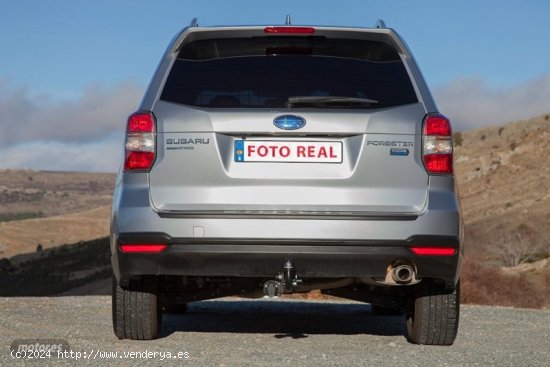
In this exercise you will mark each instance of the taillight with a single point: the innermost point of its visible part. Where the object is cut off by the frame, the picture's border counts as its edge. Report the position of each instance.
(294, 30)
(437, 144)
(140, 142)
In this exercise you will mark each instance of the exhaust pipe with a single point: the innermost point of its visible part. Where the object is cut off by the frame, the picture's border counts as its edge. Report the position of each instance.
(402, 274)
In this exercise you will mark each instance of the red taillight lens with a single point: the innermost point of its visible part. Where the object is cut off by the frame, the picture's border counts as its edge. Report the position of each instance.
(139, 160)
(433, 251)
(437, 144)
(439, 163)
(294, 30)
(141, 123)
(143, 247)
(437, 125)
(140, 142)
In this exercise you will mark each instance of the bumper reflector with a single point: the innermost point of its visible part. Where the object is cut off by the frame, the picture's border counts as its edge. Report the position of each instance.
(143, 247)
(433, 251)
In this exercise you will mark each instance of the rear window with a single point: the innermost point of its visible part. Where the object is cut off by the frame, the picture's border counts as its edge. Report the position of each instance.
(264, 72)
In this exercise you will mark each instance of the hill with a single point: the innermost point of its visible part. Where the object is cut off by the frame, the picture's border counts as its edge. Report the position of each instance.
(503, 177)
(52, 208)
(28, 194)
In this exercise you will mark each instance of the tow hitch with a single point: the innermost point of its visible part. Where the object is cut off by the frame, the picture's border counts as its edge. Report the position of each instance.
(285, 282)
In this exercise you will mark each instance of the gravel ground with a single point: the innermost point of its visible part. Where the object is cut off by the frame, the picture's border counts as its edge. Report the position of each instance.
(233, 332)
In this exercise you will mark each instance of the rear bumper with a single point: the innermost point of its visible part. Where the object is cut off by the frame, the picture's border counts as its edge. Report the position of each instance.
(256, 246)
(264, 258)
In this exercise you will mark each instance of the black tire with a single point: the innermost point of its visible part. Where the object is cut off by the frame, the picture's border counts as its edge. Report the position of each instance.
(136, 312)
(432, 316)
(378, 310)
(175, 308)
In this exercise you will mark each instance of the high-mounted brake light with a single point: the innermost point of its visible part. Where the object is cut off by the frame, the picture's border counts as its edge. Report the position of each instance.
(140, 142)
(143, 247)
(294, 30)
(433, 251)
(437, 144)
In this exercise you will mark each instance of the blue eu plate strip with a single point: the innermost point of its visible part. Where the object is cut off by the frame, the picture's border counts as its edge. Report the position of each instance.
(239, 151)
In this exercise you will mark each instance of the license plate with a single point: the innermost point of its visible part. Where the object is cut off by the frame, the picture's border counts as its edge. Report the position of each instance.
(288, 151)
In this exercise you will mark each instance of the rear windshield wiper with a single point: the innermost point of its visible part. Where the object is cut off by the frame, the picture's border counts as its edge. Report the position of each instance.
(327, 101)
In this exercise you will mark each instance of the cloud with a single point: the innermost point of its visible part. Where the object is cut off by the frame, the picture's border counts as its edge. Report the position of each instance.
(104, 155)
(84, 134)
(471, 102)
(97, 113)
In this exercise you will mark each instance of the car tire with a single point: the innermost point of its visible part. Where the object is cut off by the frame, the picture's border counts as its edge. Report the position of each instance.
(136, 312)
(175, 308)
(433, 315)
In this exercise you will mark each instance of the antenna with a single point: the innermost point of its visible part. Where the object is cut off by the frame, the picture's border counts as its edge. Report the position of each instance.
(380, 24)
(287, 20)
(194, 23)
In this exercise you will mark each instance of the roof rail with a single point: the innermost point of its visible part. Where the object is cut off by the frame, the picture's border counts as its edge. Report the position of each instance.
(194, 22)
(380, 24)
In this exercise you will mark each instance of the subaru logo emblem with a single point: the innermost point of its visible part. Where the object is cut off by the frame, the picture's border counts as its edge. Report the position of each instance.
(289, 122)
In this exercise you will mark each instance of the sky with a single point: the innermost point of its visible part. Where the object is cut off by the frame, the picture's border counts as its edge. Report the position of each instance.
(71, 71)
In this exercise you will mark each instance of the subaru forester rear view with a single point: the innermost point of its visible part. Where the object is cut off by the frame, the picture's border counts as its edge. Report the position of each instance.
(269, 160)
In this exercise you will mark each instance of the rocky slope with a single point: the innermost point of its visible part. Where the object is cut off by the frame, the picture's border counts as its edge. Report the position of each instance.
(503, 177)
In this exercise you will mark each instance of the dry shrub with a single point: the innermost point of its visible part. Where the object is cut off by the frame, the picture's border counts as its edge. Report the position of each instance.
(488, 286)
(522, 245)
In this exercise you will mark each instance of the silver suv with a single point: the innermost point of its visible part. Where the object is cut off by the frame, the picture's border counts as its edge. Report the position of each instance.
(266, 160)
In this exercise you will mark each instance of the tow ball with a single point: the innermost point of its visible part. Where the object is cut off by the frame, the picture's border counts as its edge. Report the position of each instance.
(286, 282)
